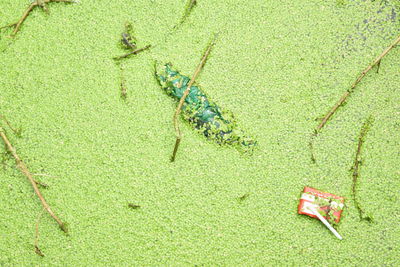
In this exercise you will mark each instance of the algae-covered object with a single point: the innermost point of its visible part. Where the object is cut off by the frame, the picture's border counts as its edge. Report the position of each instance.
(202, 113)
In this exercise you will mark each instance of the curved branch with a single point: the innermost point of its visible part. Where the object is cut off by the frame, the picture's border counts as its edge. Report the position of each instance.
(21, 165)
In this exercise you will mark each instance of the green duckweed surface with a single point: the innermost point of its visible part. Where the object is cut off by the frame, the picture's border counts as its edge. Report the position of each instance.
(277, 65)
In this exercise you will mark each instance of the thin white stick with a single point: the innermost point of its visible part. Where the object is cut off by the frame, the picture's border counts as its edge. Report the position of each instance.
(324, 221)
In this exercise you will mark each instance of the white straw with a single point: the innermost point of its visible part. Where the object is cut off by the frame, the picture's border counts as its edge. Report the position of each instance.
(324, 221)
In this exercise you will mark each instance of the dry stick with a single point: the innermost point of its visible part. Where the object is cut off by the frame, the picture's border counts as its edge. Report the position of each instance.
(21, 165)
(341, 101)
(182, 100)
(42, 4)
(347, 93)
(188, 9)
(355, 168)
(37, 249)
(133, 52)
(24, 16)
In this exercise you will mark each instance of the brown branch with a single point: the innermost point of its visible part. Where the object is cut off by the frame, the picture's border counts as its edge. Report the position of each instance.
(356, 166)
(137, 51)
(24, 16)
(377, 62)
(182, 100)
(40, 3)
(21, 165)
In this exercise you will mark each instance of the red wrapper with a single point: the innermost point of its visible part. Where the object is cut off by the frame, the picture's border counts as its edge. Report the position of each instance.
(329, 205)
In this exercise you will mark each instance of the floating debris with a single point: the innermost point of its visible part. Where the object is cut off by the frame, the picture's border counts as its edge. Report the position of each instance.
(321, 205)
(201, 112)
(128, 42)
(127, 39)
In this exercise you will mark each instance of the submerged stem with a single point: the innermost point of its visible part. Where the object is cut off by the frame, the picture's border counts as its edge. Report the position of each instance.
(356, 166)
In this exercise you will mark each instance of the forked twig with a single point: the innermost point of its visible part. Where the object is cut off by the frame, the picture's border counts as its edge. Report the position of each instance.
(376, 62)
(182, 100)
(356, 166)
(21, 165)
(36, 3)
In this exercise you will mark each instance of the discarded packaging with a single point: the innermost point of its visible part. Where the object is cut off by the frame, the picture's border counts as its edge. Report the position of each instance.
(321, 205)
(201, 112)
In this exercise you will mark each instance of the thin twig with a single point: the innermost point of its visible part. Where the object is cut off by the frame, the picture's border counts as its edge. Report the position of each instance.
(8, 26)
(311, 145)
(243, 197)
(123, 83)
(16, 131)
(182, 100)
(37, 235)
(137, 51)
(42, 174)
(188, 9)
(40, 3)
(21, 165)
(356, 166)
(378, 65)
(40, 183)
(360, 77)
(133, 206)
